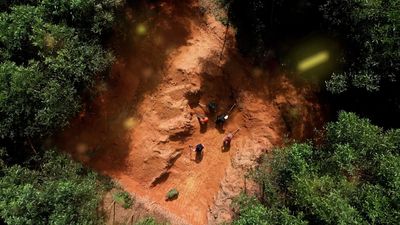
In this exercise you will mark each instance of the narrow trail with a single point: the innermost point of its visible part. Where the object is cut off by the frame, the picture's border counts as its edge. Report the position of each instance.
(139, 128)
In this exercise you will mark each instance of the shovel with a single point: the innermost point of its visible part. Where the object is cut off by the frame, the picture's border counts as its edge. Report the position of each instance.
(230, 110)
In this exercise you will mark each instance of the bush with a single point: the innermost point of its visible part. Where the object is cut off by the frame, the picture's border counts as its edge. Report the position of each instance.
(123, 198)
(172, 194)
(147, 221)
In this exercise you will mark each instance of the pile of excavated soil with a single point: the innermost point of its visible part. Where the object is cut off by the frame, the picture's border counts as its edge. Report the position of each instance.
(139, 128)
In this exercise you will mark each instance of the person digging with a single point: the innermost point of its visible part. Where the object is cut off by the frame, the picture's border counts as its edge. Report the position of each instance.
(203, 120)
(226, 144)
(220, 121)
(210, 108)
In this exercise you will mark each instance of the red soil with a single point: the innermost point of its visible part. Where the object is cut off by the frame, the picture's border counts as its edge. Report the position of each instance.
(138, 130)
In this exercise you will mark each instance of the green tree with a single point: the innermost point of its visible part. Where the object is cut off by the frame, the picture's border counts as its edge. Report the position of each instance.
(94, 17)
(51, 52)
(60, 192)
(371, 28)
(350, 178)
(46, 63)
(252, 212)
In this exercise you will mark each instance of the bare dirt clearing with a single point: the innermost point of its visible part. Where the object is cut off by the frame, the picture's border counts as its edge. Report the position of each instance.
(139, 128)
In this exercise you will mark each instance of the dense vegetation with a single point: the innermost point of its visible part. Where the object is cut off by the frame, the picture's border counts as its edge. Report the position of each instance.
(372, 29)
(261, 25)
(352, 177)
(51, 53)
(369, 32)
(54, 190)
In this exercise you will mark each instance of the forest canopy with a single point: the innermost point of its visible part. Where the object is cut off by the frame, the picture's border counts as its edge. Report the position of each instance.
(51, 52)
(352, 178)
(59, 192)
(368, 31)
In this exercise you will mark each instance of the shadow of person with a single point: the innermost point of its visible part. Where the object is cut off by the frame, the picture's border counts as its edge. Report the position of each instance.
(220, 128)
(203, 128)
(198, 157)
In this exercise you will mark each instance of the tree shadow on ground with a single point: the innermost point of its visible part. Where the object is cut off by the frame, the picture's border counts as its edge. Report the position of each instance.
(143, 39)
(226, 79)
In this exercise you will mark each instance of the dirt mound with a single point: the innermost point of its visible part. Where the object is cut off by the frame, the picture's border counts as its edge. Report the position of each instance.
(139, 129)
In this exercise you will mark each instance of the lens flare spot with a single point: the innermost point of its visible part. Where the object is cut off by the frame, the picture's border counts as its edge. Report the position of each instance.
(257, 72)
(82, 148)
(313, 61)
(50, 41)
(141, 29)
(129, 123)
(147, 72)
(102, 87)
(158, 40)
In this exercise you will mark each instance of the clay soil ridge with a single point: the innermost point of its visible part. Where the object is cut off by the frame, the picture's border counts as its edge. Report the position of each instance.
(139, 128)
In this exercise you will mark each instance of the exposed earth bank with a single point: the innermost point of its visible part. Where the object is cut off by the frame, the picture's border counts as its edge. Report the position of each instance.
(139, 128)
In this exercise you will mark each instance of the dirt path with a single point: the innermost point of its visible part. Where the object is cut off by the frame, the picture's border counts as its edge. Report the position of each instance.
(139, 129)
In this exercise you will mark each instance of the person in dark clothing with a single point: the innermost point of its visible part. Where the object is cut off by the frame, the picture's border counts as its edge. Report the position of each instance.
(221, 120)
(212, 107)
(199, 148)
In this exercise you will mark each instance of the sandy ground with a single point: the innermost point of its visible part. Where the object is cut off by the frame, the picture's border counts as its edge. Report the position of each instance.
(139, 128)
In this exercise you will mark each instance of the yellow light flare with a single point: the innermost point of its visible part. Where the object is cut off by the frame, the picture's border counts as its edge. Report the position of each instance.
(102, 87)
(257, 72)
(147, 72)
(129, 123)
(141, 29)
(82, 148)
(50, 41)
(159, 40)
(313, 61)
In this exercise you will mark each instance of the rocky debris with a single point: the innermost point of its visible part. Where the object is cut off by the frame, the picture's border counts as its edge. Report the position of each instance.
(160, 178)
(193, 97)
(178, 128)
(181, 135)
(163, 176)
(173, 157)
(235, 181)
(233, 184)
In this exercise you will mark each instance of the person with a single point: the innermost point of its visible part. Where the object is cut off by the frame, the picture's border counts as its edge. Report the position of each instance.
(199, 148)
(202, 119)
(212, 107)
(227, 140)
(221, 119)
